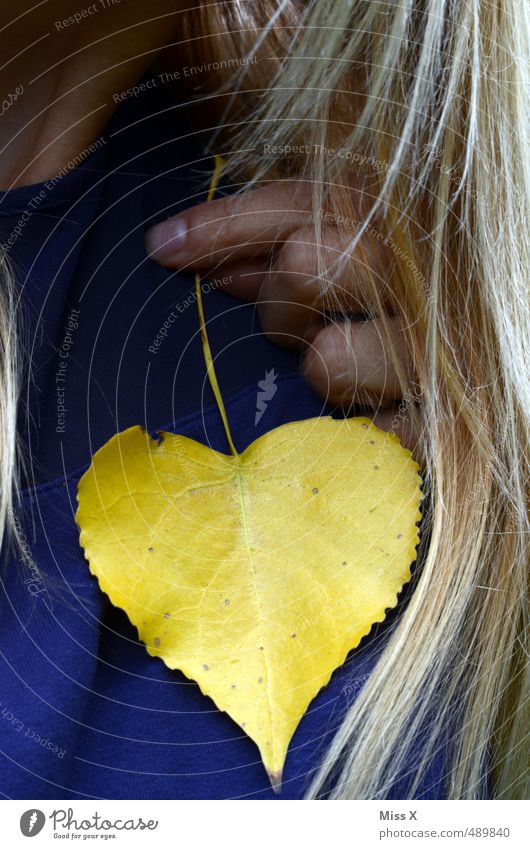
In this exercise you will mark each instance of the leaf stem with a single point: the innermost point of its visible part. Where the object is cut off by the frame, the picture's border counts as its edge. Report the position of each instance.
(207, 351)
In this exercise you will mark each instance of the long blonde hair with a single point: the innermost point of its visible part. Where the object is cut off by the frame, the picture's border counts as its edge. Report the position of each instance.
(428, 104)
(436, 92)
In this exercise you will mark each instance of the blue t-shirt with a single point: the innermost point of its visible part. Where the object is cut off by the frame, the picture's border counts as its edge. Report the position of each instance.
(85, 711)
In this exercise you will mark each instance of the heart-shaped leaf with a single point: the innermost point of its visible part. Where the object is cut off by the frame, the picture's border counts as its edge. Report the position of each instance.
(254, 574)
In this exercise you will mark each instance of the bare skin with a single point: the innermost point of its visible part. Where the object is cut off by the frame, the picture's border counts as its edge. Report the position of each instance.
(265, 242)
(68, 72)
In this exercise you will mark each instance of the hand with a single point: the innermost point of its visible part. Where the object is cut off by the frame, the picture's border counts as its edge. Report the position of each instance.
(265, 242)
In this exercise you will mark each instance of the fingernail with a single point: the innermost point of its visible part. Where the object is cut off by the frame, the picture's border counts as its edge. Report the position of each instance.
(166, 239)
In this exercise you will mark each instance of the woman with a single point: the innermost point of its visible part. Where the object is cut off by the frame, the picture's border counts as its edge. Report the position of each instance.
(383, 149)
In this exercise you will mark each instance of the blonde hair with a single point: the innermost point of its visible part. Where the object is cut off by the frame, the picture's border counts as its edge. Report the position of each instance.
(437, 93)
(9, 391)
(434, 96)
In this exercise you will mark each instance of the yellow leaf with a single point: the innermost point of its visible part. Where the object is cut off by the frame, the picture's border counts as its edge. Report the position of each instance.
(256, 573)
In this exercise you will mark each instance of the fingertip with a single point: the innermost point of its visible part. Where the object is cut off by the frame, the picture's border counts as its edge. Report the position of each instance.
(165, 241)
(397, 421)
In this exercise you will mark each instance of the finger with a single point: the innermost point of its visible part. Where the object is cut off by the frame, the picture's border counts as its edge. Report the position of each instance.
(309, 277)
(395, 420)
(351, 363)
(242, 279)
(232, 227)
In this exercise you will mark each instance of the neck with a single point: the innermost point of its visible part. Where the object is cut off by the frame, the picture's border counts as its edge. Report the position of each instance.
(61, 69)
